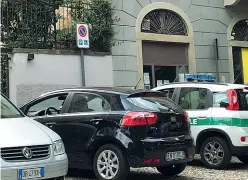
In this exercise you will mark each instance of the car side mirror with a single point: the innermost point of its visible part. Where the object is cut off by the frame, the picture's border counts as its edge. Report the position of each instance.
(224, 104)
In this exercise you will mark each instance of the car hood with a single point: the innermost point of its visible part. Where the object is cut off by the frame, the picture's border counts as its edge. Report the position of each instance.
(25, 132)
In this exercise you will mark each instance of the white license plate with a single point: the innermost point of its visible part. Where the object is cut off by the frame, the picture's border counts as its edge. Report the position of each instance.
(30, 173)
(172, 156)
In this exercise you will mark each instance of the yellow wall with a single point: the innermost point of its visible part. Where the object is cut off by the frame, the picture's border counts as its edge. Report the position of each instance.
(66, 20)
(245, 64)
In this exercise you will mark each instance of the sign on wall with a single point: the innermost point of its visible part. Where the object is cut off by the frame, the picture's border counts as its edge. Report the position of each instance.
(83, 36)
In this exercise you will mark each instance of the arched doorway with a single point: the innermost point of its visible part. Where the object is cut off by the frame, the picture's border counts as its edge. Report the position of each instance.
(238, 49)
(165, 44)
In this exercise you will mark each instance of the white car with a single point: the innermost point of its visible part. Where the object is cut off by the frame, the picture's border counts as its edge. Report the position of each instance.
(219, 119)
(29, 150)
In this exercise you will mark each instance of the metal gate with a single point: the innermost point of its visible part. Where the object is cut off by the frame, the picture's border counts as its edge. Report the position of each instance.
(5, 71)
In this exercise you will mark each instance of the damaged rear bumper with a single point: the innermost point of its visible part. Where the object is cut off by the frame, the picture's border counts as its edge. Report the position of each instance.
(152, 152)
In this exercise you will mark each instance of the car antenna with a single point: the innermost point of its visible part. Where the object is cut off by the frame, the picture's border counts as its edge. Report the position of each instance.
(237, 77)
(179, 73)
(135, 87)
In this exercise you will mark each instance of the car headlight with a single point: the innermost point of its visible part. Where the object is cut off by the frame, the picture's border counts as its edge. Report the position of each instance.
(58, 147)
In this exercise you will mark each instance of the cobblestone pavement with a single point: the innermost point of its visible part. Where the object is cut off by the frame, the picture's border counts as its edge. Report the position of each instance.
(236, 171)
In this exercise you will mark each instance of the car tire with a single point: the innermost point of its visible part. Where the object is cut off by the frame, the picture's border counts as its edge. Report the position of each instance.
(173, 170)
(215, 153)
(243, 159)
(110, 163)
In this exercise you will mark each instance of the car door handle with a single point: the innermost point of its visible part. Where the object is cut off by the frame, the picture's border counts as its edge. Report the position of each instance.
(95, 120)
(50, 124)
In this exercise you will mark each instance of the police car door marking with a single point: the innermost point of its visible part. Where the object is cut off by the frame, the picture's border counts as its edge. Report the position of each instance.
(193, 121)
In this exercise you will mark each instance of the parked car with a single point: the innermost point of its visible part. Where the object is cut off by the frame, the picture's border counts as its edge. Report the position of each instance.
(219, 119)
(29, 150)
(110, 130)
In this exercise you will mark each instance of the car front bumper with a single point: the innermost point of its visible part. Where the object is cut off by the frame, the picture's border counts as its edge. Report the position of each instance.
(58, 168)
(156, 150)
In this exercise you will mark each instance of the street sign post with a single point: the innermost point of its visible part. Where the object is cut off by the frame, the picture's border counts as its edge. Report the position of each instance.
(83, 36)
(83, 43)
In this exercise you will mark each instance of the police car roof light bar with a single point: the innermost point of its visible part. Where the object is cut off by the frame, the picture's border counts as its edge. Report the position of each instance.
(200, 78)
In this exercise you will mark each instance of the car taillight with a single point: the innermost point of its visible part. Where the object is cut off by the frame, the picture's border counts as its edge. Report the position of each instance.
(243, 139)
(233, 100)
(186, 116)
(139, 119)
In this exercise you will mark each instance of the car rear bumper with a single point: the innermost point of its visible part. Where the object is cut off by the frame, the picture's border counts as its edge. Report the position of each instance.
(51, 170)
(154, 152)
(239, 151)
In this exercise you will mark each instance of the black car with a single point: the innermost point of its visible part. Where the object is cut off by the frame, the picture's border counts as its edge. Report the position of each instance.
(110, 130)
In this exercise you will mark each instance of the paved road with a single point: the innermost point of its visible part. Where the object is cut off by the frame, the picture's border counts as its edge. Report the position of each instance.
(195, 171)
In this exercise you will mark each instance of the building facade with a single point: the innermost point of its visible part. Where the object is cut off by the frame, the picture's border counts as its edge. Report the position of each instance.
(157, 40)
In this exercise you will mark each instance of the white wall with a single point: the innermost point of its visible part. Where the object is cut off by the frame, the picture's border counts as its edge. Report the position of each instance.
(28, 79)
(98, 71)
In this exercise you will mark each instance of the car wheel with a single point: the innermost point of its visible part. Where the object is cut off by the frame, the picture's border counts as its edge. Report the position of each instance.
(110, 163)
(243, 159)
(173, 170)
(215, 153)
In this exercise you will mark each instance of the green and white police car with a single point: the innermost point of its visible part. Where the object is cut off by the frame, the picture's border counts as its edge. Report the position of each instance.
(219, 119)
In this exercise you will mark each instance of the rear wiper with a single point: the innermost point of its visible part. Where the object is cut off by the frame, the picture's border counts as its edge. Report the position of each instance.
(169, 109)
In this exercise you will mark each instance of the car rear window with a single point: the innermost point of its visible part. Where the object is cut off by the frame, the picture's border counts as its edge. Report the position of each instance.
(153, 103)
(243, 100)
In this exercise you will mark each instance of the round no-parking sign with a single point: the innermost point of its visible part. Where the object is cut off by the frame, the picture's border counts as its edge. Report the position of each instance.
(82, 31)
(82, 36)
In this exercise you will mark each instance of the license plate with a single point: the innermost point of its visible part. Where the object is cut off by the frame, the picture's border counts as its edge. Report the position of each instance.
(172, 156)
(30, 173)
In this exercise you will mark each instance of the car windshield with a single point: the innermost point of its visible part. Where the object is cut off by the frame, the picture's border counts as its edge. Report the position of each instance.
(8, 110)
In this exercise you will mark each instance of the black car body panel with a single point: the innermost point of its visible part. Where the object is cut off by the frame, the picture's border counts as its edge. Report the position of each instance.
(83, 133)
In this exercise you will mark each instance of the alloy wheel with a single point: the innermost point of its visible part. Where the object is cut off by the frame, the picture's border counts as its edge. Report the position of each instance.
(107, 164)
(214, 153)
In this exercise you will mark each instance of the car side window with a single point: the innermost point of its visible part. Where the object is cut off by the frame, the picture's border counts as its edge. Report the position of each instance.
(220, 98)
(55, 103)
(193, 98)
(169, 92)
(86, 102)
(114, 101)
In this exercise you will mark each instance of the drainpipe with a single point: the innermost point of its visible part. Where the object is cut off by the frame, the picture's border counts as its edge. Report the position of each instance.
(217, 59)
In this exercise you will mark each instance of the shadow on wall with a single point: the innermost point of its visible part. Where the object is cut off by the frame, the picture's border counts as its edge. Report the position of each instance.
(26, 93)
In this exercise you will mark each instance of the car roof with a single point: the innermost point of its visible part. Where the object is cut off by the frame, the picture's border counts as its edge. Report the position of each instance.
(212, 86)
(112, 90)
